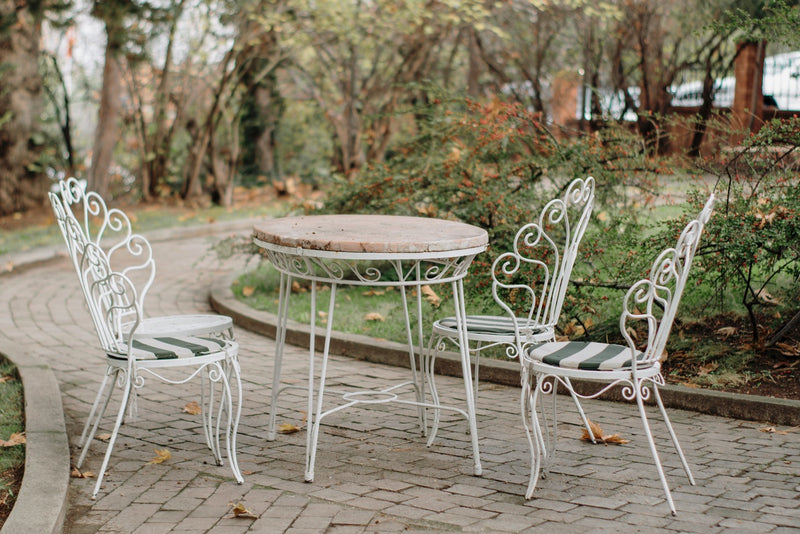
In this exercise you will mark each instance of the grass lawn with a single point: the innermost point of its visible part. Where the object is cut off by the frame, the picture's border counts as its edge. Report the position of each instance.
(12, 427)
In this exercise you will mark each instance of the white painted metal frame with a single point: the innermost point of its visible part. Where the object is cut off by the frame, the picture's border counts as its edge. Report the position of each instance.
(548, 248)
(653, 301)
(411, 270)
(116, 309)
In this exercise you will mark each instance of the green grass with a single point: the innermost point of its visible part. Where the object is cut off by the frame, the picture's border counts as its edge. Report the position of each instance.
(12, 459)
(353, 304)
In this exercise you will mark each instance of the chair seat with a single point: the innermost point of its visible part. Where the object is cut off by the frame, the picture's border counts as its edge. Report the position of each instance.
(172, 348)
(588, 356)
(491, 325)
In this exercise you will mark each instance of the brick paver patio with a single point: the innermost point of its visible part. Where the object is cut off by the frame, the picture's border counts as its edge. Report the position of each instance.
(374, 473)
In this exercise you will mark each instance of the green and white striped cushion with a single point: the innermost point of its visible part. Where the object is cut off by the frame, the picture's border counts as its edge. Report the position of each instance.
(582, 355)
(497, 325)
(171, 348)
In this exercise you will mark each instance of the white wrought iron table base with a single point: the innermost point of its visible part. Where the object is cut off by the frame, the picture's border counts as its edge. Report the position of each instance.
(360, 250)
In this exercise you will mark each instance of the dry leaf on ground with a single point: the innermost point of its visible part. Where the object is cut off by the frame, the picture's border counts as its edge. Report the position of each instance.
(287, 428)
(726, 331)
(248, 291)
(162, 455)
(601, 436)
(17, 438)
(6, 378)
(105, 436)
(77, 473)
(373, 316)
(373, 293)
(431, 296)
(707, 368)
(238, 511)
(773, 430)
(192, 408)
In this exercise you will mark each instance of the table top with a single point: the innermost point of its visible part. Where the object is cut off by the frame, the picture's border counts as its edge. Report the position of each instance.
(370, 234)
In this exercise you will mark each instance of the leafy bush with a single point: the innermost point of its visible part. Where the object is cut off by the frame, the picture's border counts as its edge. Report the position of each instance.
(495, 165)
(754, 235)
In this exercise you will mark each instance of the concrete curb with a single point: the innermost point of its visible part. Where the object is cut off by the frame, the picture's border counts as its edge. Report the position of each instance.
(41, 505)
(733, 405)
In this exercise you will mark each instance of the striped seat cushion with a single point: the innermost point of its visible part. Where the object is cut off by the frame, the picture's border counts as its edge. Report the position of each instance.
(171, 348)
(497, 325)
(582, 355)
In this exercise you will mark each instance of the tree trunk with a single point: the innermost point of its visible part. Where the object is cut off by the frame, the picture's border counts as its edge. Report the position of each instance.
(107, 131)
(21, 188)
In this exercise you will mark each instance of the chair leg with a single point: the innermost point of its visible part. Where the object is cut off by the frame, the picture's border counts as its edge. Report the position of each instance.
(126, 392)
(96, 403)
(533, 431)
(234, 413)
(673, 435)
(86, 439)
(428, 376)
(582, 415)
(653, 451)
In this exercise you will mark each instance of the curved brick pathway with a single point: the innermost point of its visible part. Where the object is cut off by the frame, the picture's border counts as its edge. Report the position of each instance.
(374, 473)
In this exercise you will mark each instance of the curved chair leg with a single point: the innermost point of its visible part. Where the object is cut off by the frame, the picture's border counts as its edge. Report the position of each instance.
(215, 374)
(86, 439)
(533, 431)
(653, 451)
(234, 413)
(126, 392)
(673, 435)
(428, 376)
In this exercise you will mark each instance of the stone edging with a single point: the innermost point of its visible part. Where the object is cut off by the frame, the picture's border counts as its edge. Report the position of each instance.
(41, 505)
(733, 405)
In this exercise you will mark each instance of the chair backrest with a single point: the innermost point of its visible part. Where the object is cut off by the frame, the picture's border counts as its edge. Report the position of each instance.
(111, 298)
(534, 275)
(127, 253)
(655, 299)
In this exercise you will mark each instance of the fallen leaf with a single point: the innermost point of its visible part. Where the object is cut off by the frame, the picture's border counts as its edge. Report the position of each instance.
(726, 331)
(76, 473)
(288, 428)
(192, 408)
(707, 368)
(162, 455)
(773, 430)
(431, 296)
(238, 511)
(374, 316)
(601, 437)
(103, 437)
(6, 378)
(17, 438)
(248, 291)
(373, 293)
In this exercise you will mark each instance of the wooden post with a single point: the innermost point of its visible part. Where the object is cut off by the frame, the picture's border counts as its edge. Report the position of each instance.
(748, 102)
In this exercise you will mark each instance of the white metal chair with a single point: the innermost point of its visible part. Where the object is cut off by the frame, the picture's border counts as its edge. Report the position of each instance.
(136, 347)
(532, 277)
(651, 302)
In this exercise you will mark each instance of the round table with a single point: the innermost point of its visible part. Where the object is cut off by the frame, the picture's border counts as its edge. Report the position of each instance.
(369, 250)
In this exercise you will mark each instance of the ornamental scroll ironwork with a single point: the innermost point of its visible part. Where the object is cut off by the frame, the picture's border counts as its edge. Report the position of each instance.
(385, 271)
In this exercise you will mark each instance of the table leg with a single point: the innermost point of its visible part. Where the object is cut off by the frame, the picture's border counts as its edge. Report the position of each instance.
(280, 341)
(315, 415)
(466, 370)
(412, 360)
